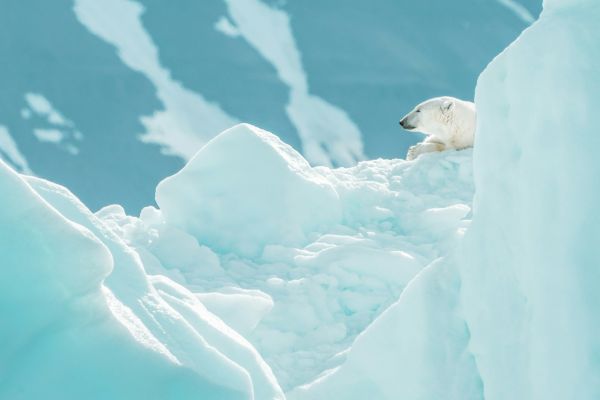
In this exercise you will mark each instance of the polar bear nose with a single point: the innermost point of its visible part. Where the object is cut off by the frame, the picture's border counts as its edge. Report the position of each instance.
(404, 123)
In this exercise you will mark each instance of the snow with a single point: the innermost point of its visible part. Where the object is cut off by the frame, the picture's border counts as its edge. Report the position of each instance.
(328, 134)
(354, 56)
(188, 120)
(511, 312)
(265, 193)
(42, 106)
(58, 138)
(166, 305)
(298, 259)
(225, 26)
(49, 135)
(62, 132)
(415, 350)
(10, 153)
(134, 330)
(519, 10)
(259, 276)
(529, 269)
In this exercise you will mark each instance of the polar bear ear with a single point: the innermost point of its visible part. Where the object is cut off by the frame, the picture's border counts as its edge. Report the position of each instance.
(447, 106)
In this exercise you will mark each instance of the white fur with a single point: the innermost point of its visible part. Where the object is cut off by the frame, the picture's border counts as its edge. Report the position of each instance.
(449, 123)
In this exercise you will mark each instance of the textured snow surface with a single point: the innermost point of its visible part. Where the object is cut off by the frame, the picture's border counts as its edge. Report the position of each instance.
(299, 259)
(91, 324)
(254, 277)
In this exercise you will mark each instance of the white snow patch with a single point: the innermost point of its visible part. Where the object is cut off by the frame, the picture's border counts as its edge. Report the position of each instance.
(10, 153)
(519, 10)
(328, 134)
(188, 119)
(42, 106)
(226, 27)
(63, 133)
(25, 113)
(49, 135)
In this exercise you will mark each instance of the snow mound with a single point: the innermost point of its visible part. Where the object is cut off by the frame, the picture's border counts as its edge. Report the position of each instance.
(130, 337)
(298, 259)
(256, 275)
(246, 189)
(415, 350)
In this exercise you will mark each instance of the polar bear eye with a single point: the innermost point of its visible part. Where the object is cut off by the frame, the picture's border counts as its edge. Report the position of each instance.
(418, 111)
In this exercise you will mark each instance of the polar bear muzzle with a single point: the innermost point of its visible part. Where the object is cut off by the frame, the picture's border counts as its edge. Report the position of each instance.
(405, 124)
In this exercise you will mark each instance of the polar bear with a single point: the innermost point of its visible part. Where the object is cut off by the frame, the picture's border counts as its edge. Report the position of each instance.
(449, 123)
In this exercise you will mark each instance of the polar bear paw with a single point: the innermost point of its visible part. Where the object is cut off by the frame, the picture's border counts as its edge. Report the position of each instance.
(413, 152)
(421, 148)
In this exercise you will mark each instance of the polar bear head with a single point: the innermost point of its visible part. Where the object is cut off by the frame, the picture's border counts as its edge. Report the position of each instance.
(432, 117)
